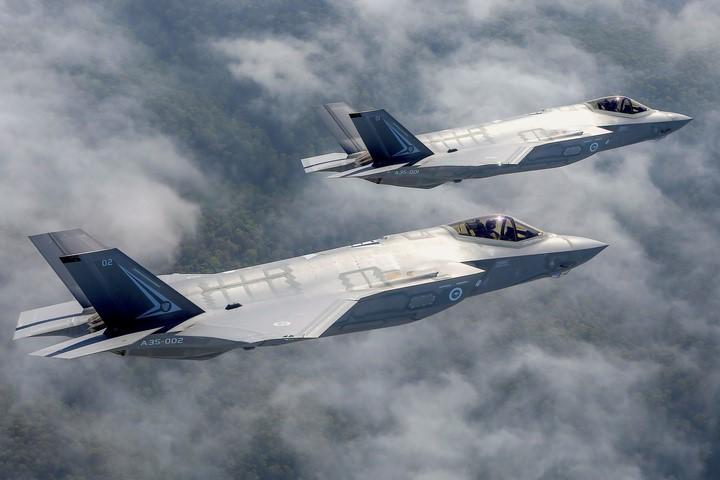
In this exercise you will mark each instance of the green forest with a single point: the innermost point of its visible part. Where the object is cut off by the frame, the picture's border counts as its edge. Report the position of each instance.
(611, 374)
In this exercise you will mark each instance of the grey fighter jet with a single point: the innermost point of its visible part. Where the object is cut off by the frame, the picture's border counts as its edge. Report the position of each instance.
(121, 307)
(379, 149)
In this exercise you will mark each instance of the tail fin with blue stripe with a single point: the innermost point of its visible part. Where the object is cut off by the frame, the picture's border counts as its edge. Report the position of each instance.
(387, 141)
(127, 297)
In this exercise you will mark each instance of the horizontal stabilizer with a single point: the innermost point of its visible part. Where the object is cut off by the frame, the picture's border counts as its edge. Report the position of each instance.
(366, 171)
(320, 160)
(46, 320)
(386, 140)
(327, 163)
(91, 343)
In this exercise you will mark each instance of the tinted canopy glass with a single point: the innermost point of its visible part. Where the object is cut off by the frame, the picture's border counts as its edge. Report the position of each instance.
(496, 227)
(617, 105)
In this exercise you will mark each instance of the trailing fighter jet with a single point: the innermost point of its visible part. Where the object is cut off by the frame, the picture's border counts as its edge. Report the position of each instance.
(379, 149)
(121, 307)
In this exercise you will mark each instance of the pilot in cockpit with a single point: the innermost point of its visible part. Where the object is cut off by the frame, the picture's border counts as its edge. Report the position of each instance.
(618, 105)
(480, 229)
(490, 226)
(496, 227)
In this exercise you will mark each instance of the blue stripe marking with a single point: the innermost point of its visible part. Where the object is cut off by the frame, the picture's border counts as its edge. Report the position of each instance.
(75, 346)
(46, 321)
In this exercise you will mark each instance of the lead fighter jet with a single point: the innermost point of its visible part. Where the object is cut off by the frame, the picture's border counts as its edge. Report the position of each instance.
(121, 307)
(379, 149)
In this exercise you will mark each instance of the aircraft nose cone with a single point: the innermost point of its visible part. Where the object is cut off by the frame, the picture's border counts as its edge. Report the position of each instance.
(582, 243)
(583, 249)
(575, 251)
(679, 120)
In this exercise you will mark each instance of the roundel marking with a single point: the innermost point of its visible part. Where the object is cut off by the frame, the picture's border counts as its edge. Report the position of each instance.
(281, 324)
(455, 294)
(594, 146)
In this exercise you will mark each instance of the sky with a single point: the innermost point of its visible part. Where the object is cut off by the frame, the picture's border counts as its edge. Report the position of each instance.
(609, 372)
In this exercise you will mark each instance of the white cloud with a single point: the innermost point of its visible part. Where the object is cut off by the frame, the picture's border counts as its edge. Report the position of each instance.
(77, 153)
(282, 66)
(693, 29)
(578, 412)
(562, 378)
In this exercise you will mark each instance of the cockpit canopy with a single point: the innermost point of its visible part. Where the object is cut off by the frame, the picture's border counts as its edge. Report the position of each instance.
(624, 105)
(496, 227)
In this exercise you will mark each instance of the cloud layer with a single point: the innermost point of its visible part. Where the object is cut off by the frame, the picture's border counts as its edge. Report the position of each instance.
(76, 150)
(610, 372)
(584, 359)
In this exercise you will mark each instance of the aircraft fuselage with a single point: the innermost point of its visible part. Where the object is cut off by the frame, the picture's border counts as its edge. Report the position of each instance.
(403, 274)
(549, 138)
(459, 153)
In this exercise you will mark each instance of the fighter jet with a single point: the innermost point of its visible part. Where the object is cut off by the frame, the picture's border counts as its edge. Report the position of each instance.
(379, 149)
(121, 307)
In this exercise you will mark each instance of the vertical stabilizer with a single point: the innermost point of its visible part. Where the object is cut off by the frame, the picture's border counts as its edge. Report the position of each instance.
(336, 117)
(127, 297)
(54, 245)
(387, 141)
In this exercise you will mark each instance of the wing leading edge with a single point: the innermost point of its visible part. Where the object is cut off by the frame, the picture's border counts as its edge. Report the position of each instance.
(311, 316)
(561, 144)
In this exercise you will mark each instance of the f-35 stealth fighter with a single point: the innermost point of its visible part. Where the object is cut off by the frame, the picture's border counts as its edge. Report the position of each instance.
(379, 149)
(121, 307)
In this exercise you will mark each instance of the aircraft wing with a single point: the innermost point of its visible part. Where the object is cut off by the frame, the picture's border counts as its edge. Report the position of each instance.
(539, 145)
(309, 316)
(280, 318)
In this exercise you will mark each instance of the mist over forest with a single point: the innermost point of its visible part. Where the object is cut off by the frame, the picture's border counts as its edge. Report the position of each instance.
(173, 131)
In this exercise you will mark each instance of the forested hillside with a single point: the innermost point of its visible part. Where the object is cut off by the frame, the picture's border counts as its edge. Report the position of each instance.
(174, 131)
